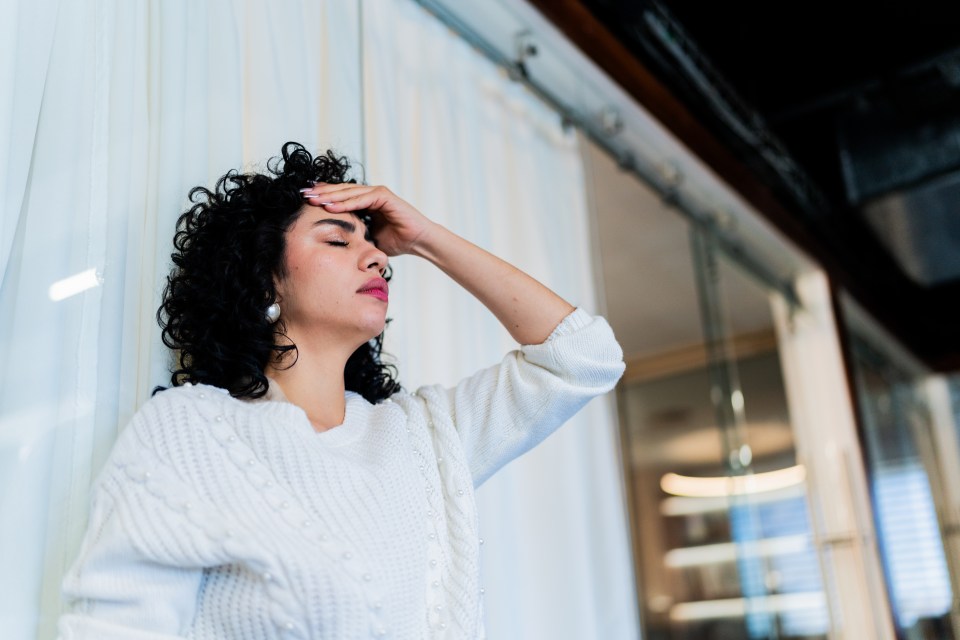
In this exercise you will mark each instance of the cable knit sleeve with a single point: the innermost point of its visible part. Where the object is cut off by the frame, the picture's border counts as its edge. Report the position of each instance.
(116, 591)
(505, 410)
(141, 562)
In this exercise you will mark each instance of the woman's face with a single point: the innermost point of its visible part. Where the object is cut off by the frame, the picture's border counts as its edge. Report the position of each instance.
(332, 288)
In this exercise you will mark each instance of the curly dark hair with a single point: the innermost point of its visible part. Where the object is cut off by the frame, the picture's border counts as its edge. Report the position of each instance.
(228, 247)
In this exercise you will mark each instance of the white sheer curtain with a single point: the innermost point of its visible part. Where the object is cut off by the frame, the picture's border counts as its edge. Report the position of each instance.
(113, 109)
(111, 112)
(476, 152)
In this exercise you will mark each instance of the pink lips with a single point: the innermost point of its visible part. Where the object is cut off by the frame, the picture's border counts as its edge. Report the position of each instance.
(376, 287)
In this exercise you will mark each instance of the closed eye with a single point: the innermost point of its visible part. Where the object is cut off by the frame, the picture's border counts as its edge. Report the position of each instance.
(338, 243)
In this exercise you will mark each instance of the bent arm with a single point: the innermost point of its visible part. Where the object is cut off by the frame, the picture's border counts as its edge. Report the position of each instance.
(150, 536)
(527, 309)
(503, 411)
(115, 591)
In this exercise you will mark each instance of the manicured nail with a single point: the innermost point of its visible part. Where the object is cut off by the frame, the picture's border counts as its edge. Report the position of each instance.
(305, 189)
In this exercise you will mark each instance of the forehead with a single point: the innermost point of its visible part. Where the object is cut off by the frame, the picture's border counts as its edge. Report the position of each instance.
(310, 216)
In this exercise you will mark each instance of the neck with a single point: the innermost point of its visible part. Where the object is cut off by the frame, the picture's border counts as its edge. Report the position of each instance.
(314, 382)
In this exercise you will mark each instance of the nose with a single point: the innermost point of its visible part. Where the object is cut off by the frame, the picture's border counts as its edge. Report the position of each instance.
(374, 259)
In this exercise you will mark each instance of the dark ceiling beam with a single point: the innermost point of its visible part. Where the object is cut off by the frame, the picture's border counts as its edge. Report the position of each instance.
(896, 305)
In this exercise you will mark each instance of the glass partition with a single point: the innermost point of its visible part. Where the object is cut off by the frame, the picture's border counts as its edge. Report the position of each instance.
(724, 541)
(904, 479)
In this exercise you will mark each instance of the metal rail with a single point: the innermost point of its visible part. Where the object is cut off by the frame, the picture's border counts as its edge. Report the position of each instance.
(726, 242)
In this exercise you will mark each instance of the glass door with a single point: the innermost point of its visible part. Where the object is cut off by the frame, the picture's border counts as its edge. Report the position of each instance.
(905, 486)
(758, 489)
(723, 540)
(770, 531)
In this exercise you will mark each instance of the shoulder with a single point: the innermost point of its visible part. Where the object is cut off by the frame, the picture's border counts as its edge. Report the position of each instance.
(176, 435)
(171, 419)
(188, 402)
(190, 393)
(413, 403)
(424, 409)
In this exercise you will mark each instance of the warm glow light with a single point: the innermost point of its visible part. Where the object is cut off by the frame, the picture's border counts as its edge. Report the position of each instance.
(682, 506)
(739, 607)
(722, 486)
(736, 399)
(62, 289)
(730, 551)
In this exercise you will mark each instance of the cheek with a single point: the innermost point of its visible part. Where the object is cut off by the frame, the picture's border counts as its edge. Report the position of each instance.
(310, 278)
(301, 263)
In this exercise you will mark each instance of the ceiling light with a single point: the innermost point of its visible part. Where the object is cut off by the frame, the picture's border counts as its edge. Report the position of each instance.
(714, 487)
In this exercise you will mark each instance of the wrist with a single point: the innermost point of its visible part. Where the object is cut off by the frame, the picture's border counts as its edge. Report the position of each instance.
(426, 243)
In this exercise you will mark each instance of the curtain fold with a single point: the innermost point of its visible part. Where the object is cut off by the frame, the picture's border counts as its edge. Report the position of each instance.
(118, 108)
(26, 35)
(450, 132)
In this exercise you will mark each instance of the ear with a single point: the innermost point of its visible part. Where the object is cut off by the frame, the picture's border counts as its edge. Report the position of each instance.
(278, 289)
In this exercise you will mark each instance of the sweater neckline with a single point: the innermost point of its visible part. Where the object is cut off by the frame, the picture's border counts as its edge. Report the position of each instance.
(346, 432)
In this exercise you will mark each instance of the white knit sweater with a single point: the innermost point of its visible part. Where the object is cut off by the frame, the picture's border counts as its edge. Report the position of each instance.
(222, 518)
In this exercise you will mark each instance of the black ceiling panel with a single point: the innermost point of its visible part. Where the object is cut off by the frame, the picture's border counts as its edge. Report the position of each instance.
(848, 112)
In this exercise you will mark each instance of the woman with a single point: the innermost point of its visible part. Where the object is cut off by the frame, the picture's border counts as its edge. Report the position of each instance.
(285, 486)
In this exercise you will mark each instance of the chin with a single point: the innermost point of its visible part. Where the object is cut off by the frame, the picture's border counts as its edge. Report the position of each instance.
(374, 328)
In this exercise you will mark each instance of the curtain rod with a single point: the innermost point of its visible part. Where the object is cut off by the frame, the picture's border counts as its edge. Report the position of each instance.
(666, 187)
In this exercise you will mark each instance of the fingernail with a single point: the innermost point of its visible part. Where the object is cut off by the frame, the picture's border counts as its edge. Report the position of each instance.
(305, 189)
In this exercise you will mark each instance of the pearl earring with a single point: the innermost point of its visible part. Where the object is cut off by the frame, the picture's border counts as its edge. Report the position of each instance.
(273, 313)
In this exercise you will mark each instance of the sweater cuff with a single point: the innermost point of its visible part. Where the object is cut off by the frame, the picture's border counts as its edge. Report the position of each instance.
(575, 320)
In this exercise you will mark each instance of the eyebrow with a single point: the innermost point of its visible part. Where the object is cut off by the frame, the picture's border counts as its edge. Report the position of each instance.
(343, 224)
(349, 227)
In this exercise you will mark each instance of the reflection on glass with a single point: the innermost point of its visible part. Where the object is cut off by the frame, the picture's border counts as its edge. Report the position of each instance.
(891, 408)
(71, 286)
(723, 539)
